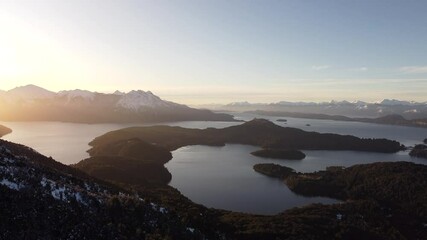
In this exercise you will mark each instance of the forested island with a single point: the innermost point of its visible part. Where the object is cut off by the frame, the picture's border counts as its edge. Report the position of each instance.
(280, 154)
(4, 130)
(274, 170)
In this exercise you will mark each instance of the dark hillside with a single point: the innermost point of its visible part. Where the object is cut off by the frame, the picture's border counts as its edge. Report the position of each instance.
(43, 199)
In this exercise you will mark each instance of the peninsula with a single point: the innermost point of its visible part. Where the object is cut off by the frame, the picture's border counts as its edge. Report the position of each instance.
(257, 132)
(4, 130)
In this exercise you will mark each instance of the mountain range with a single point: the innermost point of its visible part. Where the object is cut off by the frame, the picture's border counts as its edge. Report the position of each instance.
(33, 103)
(407, 109)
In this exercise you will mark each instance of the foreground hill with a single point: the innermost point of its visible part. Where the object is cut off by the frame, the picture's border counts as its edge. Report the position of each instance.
(32, 103)
(258, 132)
(4, 130)
(43, 199)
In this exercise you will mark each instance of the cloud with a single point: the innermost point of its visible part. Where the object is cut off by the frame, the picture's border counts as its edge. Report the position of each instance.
(358, 69)
(414, 69)
(320, 67)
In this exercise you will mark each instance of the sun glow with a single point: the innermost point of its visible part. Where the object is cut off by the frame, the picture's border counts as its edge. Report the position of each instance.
(30, 55)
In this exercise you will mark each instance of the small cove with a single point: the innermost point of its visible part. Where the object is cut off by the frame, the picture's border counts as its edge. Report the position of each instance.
(223, 177)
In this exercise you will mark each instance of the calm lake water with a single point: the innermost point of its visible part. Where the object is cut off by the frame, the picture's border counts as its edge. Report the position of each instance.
(222, 177)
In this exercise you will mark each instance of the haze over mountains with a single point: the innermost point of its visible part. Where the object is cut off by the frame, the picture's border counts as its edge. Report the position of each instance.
(408, 109)
(33, 103)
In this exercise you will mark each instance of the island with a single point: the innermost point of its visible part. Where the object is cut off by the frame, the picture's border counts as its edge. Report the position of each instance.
(280, 154)
(273, 170)
(281, 120)
(4, 130)
(419, 150)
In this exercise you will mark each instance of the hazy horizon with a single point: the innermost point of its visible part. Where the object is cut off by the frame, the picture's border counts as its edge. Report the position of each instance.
(204, 52)
(211, 103)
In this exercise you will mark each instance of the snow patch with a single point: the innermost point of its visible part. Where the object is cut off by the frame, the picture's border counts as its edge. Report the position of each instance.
(72, 94)
(44, 182)
(163, 210)
(411, 111)
(135, 100)
(58, 193)
(11, 185)
(8, 160)
(117, 92)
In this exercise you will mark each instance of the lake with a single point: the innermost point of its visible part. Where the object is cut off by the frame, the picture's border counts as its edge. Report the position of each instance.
(222, 177)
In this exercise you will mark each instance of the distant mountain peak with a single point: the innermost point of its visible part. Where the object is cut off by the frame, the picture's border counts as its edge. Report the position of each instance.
(27, 88)
(244, 103)
(30, 92)
(394, 102)
(78, 93)
(117, 92)
(137, 99)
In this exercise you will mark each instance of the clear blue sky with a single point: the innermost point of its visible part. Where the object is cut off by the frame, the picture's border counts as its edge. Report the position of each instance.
(219, 51)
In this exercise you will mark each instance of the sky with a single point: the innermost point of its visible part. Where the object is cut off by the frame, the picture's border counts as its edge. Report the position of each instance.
(214, 51)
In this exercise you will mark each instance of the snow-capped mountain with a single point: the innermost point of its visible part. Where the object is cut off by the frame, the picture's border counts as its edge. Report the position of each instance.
(245, 103)
(135, 100)
(32, 103)
(395, 102)
(73, 94)
(296, 103)
(117, 92)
